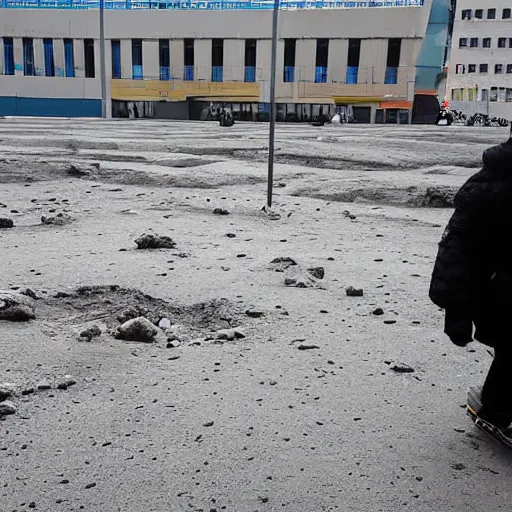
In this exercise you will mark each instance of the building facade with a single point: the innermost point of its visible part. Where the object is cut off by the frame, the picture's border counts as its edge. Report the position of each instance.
(480, 68)
(182, 60)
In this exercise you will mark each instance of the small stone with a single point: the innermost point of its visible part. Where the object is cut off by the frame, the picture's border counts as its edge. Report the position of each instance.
(27, 391)
(390, 322)
(307, 347)
(44, 385)
(32, 504)
(137, 329)
(402, 368)
(220, 211)
(354, 292)
(154, 241)
(60, 219)
(16, 307)
(164, 323)
(90, 486)
(66, 382)
(208, 424)
(318, 272)
(239, 334)
(231, 235)
(6, 390)
(252, 313)
(92, 332)
(6, 223)
(7, 408)
(283, 263)
(226, 334)
(378, 312)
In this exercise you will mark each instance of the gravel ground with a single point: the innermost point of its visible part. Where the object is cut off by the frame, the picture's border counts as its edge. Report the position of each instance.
(305, 413)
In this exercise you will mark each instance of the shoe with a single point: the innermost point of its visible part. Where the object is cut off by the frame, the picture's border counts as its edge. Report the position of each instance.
(483, 422)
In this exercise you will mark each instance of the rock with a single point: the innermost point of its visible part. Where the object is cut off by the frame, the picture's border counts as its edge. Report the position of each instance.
(6, 390)
(28, 391)
(231, 235)
(78, 170)
(252, 313)
(164, 323)
(318, 272)
(30, 293)
(226, 334)
(137, 329)
(60, 219)
(349, 215)
(154, 241)
(6, 223)
(220, 211)
(303, 281)
(402, 368)
(66, 382)
(303, 346)
(378, 312)
(281, 264)
(92, 332)
(239, 334)
(354, 292)
(44, 385)
(16, 307)
(6, 408)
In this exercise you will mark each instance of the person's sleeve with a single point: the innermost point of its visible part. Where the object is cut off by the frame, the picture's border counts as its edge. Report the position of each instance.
(456, 268)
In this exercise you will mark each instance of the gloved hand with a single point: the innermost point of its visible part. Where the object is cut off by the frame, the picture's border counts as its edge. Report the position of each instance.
(458, 327)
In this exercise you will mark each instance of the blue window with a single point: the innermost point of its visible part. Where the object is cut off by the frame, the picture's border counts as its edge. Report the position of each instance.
(189, 73)
(391, 76)
(250, 74)
(28, 57)
(289, 74)
(352, 73)
(165, 59)
(49, 63)
(8, 56)
(116, 58)
(69, 58)
(137, 73)
(217, 73)
(321, 75)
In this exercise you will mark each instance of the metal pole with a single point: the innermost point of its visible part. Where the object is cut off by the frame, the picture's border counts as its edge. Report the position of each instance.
(103, 69)
(271, 137)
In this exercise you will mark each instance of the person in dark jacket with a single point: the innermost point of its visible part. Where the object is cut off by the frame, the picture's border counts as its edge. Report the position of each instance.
(472, 282)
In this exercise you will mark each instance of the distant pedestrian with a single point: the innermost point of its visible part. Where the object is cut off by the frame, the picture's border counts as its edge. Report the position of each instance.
(472, 282)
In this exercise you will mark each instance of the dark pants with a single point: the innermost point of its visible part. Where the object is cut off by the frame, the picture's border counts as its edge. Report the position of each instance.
(497, 391)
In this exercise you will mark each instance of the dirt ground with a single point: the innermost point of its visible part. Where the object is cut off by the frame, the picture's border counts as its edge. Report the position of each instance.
(251, 424)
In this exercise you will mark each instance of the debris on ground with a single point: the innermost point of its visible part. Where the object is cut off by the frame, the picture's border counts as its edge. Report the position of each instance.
(7, 408)
(61, 219)
(6, 223)
(92, 332)
(317, 272)
(354, 292)
(154, 241)
(402, 368)
(65, 382)
(301, 281)
(283, 263)
(137, 329)
(220, 211)
(16, 307)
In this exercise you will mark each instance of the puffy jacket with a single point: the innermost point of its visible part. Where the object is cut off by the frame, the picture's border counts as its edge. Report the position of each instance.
(472, 275)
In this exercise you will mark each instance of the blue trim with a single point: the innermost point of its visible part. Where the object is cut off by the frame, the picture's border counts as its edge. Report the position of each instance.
(217, 74)
(211, 5)
(188, 74)
(9, 56)
(391, 77)
(69, 58)
(49, 107)
(165, 73)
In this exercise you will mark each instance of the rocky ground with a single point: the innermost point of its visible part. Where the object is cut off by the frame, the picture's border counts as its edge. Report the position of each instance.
(259, 383)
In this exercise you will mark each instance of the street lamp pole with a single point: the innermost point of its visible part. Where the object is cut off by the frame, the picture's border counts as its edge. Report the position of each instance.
(103, 70)
(271, 137)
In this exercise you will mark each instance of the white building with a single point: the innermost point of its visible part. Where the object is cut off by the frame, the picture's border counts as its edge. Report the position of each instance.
(480, 68)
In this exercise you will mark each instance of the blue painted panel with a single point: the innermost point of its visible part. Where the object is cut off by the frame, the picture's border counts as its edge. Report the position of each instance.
(49, 107)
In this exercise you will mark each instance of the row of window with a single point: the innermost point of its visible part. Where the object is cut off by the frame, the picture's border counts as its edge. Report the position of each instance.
(467, 14)
(474, 42)
(497, 94)
(29, 67)
(499, 69)
(217, 59)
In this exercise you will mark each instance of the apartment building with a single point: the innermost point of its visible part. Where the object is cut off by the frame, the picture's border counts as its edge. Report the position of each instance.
(480, 68)
(172, 59)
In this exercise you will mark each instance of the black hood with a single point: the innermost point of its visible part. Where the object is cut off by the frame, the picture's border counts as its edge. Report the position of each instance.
(499, 158)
